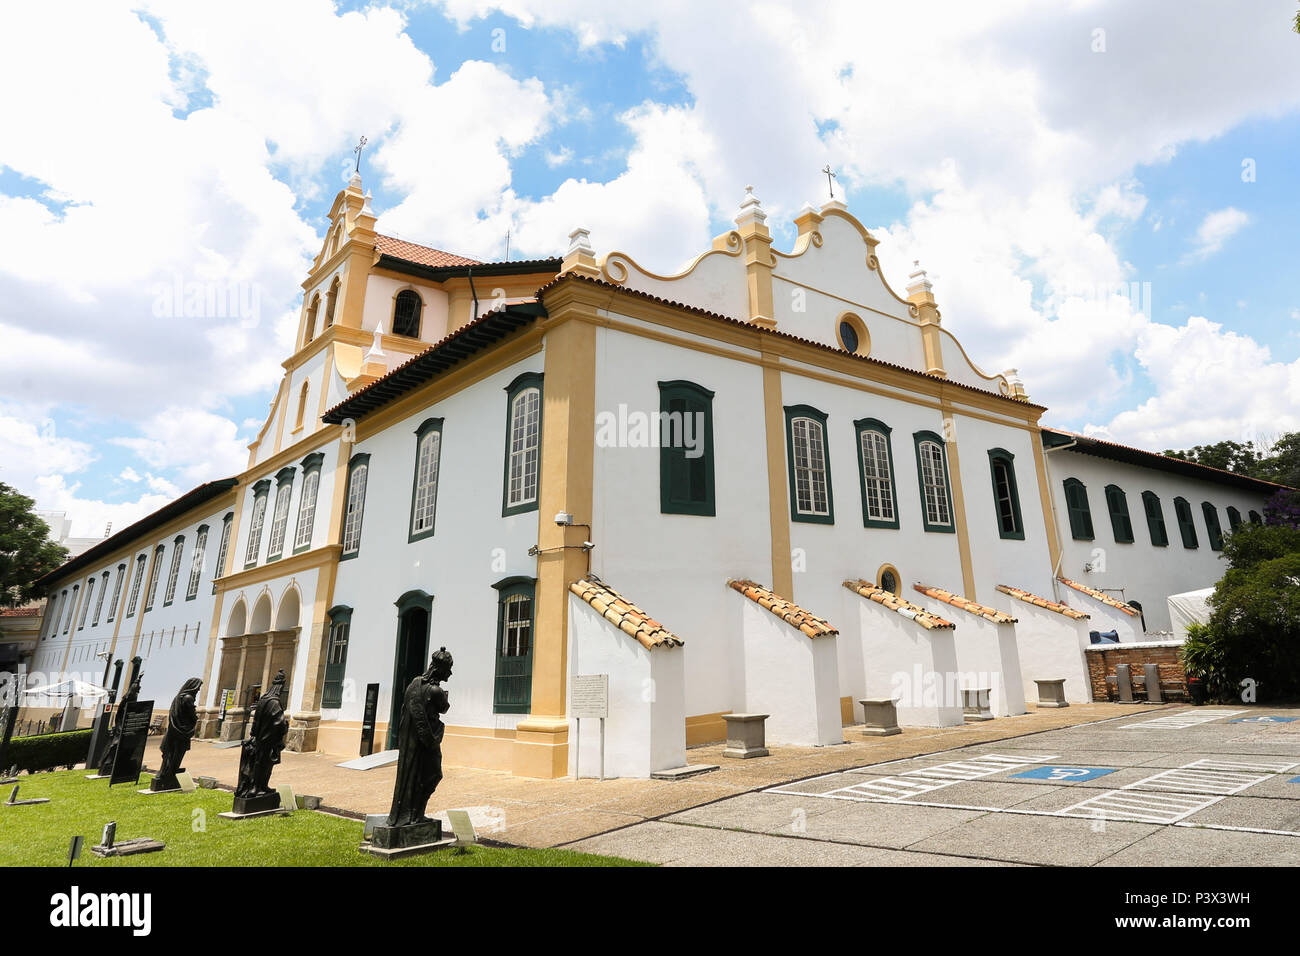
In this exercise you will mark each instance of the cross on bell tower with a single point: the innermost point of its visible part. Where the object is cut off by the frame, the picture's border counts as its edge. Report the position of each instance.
(357, 149)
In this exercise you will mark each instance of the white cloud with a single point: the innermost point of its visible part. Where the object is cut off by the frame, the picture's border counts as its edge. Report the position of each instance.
(199, 446)
(1216, 229)
(1213, 384)
(30, 446)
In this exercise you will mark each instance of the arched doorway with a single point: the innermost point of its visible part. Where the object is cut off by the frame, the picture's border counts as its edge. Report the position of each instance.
(411, 656)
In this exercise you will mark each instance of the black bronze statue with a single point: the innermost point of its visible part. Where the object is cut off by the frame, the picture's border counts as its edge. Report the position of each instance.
(115, 735)
(181, 722)
(419, 758)
(261, 752)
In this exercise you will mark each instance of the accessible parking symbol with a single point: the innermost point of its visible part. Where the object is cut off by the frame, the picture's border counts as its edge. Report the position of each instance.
(1069, 774)
(1266, 719)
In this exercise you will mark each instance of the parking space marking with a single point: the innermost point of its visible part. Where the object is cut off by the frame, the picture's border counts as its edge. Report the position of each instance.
(913, 783)
(1181, 720)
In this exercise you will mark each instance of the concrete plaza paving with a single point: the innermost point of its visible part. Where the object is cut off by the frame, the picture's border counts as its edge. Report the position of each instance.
(540, 813)
(1181, 786)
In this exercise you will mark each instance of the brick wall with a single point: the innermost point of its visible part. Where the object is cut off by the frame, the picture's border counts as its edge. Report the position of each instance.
(1102, 660)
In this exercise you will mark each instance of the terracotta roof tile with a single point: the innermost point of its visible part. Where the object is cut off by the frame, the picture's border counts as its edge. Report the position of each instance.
(414, 252)
(1037, 601)
(623, 614)
(20, 611)
(983, 610)
(1106, 599)
(891, 601)
(788, 611)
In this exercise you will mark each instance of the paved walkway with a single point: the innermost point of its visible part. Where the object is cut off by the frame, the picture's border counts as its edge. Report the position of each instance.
(539, 813)
(1189, 787)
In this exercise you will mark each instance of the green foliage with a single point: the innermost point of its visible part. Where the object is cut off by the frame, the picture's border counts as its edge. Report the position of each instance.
(1254, 627)
(195, 836)
(26, 551)
(48, 751)
(1277, 461)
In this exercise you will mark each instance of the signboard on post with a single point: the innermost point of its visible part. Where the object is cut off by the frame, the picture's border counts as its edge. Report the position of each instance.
(590, 698)
(368, 720)
(130, 749)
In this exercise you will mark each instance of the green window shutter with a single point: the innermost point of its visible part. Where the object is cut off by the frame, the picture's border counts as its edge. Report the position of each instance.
(1234, 518)
(1213, 530)
(1076, 501)
(1155, 519)
(686, 449)
(513, 685)
(1006, 496)
(336, 656)
(1121, 525)
(1186, 526)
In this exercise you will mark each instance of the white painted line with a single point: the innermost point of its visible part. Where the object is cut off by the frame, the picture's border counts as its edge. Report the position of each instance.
(1181, 720)
(1257, 766)
(913, 783)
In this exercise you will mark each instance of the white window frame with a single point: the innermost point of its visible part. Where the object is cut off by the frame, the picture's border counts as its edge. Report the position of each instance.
(809, 477)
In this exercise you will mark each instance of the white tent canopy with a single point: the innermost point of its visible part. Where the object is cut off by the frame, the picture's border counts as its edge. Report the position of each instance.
(1190, 607)
(67, 688)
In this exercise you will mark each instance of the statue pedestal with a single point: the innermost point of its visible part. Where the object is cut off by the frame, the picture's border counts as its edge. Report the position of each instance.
(404, 841)
(254, 806)
(160, 784)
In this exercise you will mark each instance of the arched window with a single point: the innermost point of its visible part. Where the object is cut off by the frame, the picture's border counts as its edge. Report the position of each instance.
(358, 474)
(876, 469)
(336, 238)
(331, 299)
(1212, 527)
(932, 472)
(1187, 527)
(887, 579)
(173, 574)
(1006, 496)
(309, 327)
(311, 466)
(1076, 503)
(1255, 518)
(260, 492)
(523, 443)
(424, 492)
(1155, 519)
(196, 562)
(1234, 518)
(302, 405)
(1120, 523)
(406, 313)
(809, 465)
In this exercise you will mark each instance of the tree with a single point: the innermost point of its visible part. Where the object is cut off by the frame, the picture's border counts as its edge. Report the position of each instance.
(1254, 627)
(1224, 455)
(26, 551)
(1283, 463)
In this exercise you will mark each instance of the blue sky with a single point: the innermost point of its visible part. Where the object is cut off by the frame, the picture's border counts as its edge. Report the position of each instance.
(1033, 160)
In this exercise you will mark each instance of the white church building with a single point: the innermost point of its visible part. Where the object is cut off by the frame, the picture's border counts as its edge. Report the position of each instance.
(767, 484)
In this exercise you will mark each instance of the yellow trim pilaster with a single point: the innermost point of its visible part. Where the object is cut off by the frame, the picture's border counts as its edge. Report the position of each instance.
(959, 505)
(568, 441)
(778, 503)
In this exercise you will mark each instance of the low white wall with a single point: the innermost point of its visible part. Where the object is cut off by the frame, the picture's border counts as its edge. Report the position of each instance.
(1051, 646)
(792, 678)
(646, 727)
(916, 667)
(987, 656)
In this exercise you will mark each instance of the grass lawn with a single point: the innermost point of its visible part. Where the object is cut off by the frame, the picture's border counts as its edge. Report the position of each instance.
(39, 835)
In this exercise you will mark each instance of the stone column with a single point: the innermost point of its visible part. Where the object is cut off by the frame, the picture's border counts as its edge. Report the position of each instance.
(233, 728)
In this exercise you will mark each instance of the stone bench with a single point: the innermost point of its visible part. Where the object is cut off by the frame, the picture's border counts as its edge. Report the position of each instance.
(881, 717)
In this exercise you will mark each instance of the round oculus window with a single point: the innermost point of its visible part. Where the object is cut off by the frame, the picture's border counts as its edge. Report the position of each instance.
(848, 336)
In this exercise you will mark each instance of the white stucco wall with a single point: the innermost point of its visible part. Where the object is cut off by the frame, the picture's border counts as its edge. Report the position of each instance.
(1051, 646)
(1141, 571)
(472, 548)
(787, 675)
(916, 667)
(646, 727)
(987, 655)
